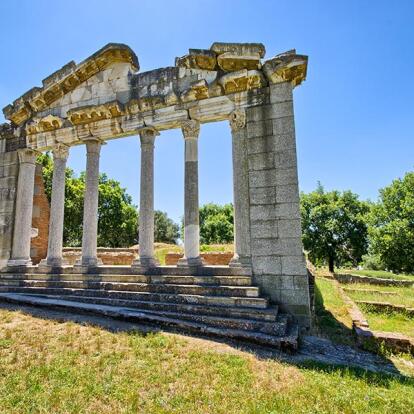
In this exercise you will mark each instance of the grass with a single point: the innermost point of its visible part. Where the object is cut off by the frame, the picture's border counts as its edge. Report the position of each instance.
(403, 295)
(162, 249)
(377, 273)
(331, 315)
(389, 321)
(52, 367)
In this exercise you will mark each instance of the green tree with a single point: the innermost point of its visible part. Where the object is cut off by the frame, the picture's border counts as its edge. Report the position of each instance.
(216, 223)
(334, 228)
(392, 225)
(118, 218)
(165, 230)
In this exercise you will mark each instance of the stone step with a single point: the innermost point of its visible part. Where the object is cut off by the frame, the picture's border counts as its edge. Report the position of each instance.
(249, 302)
(264, 315)
(128, 270)
(286, 341)
(162, 279)
(217, 290)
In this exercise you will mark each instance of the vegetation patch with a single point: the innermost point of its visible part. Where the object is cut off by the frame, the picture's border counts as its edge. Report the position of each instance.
(54, 367)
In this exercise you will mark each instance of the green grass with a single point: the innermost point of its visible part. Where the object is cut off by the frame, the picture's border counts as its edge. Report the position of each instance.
(162, 250)
(204, 248)
(331, 315)
(377, 273)
(388, 321)
(52, 367)
(404, 295)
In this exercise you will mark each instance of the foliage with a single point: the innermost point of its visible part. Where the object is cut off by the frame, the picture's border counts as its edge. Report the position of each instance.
(334, 226)
(216, 223)
(117, 216)
(52, 366)
(165, 230)
(372, 261)
(392, 225)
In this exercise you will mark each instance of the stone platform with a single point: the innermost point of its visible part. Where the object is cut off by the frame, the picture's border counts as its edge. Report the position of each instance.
(213, 300)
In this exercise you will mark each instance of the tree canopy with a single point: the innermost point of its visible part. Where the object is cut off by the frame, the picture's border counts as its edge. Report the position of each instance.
(334, 228)
(117, 216)
(392, 225)
(216, 223)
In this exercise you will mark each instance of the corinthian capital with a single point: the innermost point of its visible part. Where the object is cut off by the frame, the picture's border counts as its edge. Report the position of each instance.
(237, 119)
(60, 151)
(190, 128)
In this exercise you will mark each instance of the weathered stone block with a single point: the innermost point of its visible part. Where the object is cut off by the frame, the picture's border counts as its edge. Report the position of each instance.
(283, 142)
(294, 265)
(287, 193)
(261, 161)
(283, 247)
(290, 228)
(264, 178)
(270, 265)
(286, 176)
(263, 212)
(260, 145)
(281, 92)
(259, 128)
(263, 195)
(284, 125)
(287, 210)
(286, 158)
(264, 229)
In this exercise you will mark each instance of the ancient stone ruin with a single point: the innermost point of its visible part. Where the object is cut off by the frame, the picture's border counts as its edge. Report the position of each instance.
(263, 295)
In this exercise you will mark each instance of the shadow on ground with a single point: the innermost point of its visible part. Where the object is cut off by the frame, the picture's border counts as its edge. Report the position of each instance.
(315, 353)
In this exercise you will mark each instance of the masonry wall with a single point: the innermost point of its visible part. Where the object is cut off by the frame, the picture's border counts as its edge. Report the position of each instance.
(278, 262)
(40, 218)
(8, 182)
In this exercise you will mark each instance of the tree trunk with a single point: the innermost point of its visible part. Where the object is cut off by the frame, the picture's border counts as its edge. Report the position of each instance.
(331, 264)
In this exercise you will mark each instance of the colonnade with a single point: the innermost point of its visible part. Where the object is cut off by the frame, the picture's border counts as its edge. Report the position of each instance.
(20, 255)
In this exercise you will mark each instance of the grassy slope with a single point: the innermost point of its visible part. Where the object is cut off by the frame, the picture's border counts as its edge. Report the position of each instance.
(377, 273)
(331, 316)
(52, 367)
(404, 295)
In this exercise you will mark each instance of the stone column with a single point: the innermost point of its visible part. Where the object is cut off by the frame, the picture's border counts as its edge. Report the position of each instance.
(146, 204)
(57, 207)
(90, 206)
(241, 213)
(191, 130)
(24, 207)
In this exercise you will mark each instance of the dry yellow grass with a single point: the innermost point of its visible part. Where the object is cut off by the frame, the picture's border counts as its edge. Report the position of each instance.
(63, 367)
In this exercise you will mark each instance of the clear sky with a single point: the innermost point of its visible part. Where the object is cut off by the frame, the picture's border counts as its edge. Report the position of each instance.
(354, 114)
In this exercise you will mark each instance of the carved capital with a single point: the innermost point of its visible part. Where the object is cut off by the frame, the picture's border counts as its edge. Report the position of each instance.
(147, 136)
(237, 120)
(27, 156)
(60, 151)
(191, 129)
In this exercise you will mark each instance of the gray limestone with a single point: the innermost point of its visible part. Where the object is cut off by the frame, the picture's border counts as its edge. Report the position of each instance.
(57, 206)
(240, 190)
(90, 207)
(191, 130)
(20, 255)
(146, 208)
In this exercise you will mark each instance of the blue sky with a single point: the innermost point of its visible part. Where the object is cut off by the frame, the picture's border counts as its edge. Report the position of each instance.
(354, 114)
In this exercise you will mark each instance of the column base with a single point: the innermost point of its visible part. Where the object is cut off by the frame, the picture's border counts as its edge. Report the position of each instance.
(144, 263)
(50, 263)
(19, 262)
(190, 262)
(240, 261)
(83, 264)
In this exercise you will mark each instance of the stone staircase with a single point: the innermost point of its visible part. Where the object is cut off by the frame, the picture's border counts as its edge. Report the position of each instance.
(219, 302)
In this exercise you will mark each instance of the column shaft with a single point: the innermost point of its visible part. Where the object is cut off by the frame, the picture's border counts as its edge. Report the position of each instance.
(90, 207)
(57, 207)
(146, 206)
(24, 208)
(241, 220)
(191, 257)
